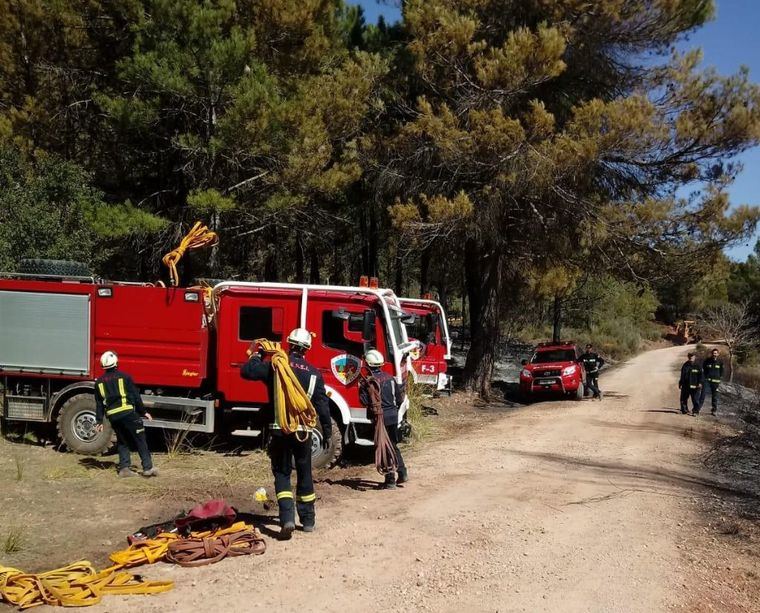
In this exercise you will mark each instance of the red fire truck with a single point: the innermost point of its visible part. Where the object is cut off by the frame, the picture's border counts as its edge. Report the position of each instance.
(184, 348)
(430, 330)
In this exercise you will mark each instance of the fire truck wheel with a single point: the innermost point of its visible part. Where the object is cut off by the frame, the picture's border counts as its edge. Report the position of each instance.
(54, 268)
(76, 426)
(325, 458)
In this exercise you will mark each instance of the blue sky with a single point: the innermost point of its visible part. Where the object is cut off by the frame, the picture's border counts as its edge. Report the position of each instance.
(728, 42)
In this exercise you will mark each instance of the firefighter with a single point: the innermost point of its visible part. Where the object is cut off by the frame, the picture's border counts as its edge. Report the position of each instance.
(690, 385)
(117, 398)
(713, 372)
(284, 448)
(592, 362)
(391, 395)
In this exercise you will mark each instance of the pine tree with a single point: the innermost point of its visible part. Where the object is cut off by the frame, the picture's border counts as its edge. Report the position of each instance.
(542, 142)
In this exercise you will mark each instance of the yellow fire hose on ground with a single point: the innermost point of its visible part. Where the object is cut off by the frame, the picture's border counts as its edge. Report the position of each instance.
(292, 405)
(80, 585)
(76, 585)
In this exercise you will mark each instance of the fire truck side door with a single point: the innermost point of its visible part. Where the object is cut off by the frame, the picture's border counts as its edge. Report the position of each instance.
(245, 319)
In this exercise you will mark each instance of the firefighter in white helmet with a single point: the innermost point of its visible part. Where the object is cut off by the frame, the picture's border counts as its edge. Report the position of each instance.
(283, 449)
(391, 397)
(117, 398)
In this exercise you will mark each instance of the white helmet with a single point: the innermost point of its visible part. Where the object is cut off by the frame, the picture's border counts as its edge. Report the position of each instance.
(300, 337)
(109, 359)
(374, 358)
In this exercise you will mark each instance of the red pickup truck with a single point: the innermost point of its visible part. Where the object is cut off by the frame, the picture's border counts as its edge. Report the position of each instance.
(553, 368)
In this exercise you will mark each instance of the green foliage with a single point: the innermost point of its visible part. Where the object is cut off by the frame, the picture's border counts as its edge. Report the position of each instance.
(210, 201)
(43, 208)
(49, 209)
(615, 316)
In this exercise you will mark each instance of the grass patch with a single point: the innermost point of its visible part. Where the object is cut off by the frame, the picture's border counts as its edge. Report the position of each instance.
(14, 539)
(178, 441)
(421, 426)
(250, 470)
(20, 464)
(60, 473)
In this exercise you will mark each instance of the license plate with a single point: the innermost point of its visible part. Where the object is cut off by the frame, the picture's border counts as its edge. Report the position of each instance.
(546, 382)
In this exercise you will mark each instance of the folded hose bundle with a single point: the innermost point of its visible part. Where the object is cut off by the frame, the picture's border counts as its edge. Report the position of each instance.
(294, 411)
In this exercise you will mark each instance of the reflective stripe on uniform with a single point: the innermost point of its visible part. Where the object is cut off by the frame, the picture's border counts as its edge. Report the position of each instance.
(123, 392)
(119, 410)
(312, 385)
(140, 430)
(307, 498)
(285, 494)
(102, 389)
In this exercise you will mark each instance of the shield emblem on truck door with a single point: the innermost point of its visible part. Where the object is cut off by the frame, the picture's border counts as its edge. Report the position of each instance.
(345, 367)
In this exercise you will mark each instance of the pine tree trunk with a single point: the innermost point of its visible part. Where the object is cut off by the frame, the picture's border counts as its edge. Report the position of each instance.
(364, 237)
(557, 328)
(299, 257)
(424, 270)
(271, 269)
(374, 267)
(314, 277)
(483, 277)
(399, 281)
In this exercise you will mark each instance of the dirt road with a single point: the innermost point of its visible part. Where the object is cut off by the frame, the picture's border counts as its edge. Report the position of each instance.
(563, 506)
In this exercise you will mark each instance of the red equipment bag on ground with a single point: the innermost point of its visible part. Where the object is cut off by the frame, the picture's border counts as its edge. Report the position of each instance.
(210, 515)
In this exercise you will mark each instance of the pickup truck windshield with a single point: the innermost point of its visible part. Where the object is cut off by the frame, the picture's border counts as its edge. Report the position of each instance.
(553, 355)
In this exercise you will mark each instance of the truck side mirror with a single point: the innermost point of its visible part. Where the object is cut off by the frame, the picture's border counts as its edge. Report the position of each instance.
(408, 319)
(341, 314)
(368, 325)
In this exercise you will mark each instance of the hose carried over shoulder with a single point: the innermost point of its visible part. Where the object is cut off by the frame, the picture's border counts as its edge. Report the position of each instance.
(385, 454)
(199, 236)
(292, 405)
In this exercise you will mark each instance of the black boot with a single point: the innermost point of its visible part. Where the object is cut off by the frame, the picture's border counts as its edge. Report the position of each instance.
(403, 476)
(390, 481)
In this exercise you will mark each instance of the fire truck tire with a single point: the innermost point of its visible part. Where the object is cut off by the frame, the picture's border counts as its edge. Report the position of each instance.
(76, 426)
(54, 268)
(326, 458)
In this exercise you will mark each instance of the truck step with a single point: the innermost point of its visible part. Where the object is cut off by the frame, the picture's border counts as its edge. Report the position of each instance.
(251, 433)
(246, 409)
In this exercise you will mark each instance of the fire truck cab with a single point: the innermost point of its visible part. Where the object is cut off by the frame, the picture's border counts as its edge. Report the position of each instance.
(184, 347)
(429, 329)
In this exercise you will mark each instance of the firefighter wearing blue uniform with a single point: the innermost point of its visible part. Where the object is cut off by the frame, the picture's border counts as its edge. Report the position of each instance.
(713, 370)
(117, 398)
(391, 398)
(593, 363)
(690, 383)
(284, 448)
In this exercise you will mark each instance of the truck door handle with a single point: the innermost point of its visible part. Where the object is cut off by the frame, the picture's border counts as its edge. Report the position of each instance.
(236, 364)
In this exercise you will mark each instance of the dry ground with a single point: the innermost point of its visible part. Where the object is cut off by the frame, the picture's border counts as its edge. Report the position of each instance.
(561, 506)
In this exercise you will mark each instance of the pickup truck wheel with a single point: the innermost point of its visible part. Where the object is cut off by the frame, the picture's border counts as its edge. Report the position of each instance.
(579, 392)
(326, 458)
(76, 426)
